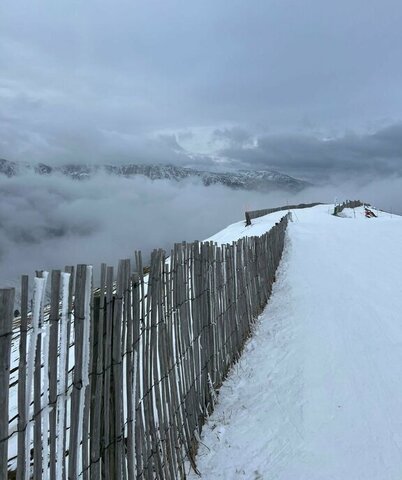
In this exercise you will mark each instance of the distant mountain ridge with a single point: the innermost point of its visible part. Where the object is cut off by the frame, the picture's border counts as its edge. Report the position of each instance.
(261, 180)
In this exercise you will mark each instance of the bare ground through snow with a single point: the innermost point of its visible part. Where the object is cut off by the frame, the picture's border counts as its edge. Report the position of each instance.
(317, 394)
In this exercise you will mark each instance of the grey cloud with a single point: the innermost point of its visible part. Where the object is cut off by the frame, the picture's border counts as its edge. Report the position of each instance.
(59, 221)
(236, 136)
(48, 222)
(378, 153)
(73, 71)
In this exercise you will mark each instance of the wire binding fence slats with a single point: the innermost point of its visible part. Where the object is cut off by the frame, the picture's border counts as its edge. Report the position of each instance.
(117, 381)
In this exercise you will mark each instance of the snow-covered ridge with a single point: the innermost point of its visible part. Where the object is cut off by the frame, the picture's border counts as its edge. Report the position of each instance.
(317, 392)
(262, 180)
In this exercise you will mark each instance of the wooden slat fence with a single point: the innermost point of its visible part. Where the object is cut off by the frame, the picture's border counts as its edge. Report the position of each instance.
(250, 215)
(116, 383)
(347, 204)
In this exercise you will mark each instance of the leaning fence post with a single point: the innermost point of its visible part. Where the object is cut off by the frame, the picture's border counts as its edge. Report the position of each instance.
(6, 325)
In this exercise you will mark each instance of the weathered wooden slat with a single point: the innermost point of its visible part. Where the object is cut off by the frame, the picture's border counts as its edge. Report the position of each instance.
(117, 374)
(71, 271)
(22, 420)
(77, 399)
(137, 338)
(165, 353)
(62, 376)
(181, 419)
(174, 374)
(37, 443)
(130, 372)
(146, 402)
(53, 344)
(87, 371)
(156, 462)
(7, 296)
(182, 345)
(142, 444)
(125, 363)
(192, 412)
(107, 450)
(157, 362)
(97, 378)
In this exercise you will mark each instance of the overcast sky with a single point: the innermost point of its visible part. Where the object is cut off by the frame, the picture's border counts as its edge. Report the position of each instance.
(298, 85)
(307, 87)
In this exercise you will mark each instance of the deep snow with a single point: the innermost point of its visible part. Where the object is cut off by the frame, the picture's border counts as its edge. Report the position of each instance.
(317, 394)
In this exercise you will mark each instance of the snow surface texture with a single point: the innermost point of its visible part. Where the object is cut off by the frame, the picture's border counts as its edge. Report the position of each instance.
(317, 394)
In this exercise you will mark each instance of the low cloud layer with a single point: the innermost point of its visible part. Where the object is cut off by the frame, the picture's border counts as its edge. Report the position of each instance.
(50, 222)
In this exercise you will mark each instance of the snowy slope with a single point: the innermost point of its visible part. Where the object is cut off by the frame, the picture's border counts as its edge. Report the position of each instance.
(317, 394)
(239, 230)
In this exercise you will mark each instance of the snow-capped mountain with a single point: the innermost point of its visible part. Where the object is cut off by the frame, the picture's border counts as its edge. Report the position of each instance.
(262, 180)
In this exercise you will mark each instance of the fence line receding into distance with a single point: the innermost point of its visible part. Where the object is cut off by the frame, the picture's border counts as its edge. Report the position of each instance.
(347, 204)
(116, 383)
(266, 211)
